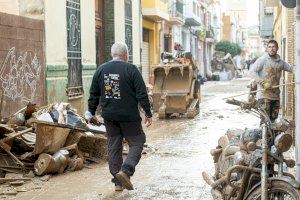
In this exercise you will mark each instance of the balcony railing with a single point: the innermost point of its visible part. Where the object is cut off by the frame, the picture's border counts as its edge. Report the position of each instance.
(210, 32)
(176, 12)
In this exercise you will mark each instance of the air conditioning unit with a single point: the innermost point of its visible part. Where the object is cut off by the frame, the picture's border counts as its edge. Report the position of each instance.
(271, 3)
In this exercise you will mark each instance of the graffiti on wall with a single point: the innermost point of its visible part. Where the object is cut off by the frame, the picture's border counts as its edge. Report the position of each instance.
(19, 75)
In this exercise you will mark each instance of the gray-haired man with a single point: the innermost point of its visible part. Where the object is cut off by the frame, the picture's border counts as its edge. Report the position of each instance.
(120, 87)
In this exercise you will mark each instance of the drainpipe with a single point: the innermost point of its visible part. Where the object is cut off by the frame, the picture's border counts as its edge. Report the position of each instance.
(297, 74)
(141, 32)
(161, 38)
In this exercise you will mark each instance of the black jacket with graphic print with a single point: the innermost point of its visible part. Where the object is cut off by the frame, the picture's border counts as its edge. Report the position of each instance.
(120, 87)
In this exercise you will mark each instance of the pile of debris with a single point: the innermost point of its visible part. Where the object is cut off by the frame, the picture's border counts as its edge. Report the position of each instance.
(50, 140)
(223, 66)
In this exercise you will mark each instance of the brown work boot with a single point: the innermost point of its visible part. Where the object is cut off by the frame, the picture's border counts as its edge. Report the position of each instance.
(125, 180)
(119, 188)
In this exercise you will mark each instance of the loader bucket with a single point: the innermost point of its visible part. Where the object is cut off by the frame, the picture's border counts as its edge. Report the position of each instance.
(159, 78)
(176, 88)
(177, 81)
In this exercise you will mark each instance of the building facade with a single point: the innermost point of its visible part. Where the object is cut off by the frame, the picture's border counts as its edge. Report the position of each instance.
(254, 44)
(191, 28)
(78, 35)
(71, 51)
(155, 14)
(266, 19)
(235, 21)
(213, 30)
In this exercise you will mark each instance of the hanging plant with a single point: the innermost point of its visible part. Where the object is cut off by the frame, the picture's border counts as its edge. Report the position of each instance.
(202, 34)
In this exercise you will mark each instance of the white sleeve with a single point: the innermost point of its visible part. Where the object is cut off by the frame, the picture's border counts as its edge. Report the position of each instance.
(287, 67)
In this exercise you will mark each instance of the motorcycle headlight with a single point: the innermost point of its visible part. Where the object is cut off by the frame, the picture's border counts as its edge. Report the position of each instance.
(283, 142)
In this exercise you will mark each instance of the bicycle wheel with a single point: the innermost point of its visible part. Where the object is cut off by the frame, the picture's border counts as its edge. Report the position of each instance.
(279, 190)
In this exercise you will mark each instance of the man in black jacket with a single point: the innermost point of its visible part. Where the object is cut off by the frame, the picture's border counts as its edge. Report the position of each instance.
(120, 88)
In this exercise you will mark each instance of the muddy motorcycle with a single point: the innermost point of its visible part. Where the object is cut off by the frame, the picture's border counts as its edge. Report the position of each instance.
(249, 164)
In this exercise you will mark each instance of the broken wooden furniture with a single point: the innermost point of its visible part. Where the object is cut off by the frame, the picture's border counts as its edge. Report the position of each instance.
(9, 138)
(52, 138)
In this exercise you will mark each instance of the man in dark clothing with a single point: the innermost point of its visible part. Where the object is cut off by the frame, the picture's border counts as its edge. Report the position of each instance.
(120, 88)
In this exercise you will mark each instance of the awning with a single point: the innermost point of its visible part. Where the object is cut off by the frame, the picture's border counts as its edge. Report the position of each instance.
(192, 22)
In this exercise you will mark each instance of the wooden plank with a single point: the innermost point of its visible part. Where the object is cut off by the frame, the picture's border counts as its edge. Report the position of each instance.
(3, 180)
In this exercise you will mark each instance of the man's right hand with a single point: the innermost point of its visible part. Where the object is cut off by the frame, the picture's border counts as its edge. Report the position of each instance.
(91, 119)
(266, 85)
(148, 121)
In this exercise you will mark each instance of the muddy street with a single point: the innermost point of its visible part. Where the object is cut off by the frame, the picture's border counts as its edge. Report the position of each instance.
(172, 170)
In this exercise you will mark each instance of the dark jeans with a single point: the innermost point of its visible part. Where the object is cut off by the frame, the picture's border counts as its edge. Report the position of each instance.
(134, 135)
(271, 107)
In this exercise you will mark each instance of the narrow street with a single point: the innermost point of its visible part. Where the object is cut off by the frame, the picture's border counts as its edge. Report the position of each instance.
(173, 170)
(60, 58)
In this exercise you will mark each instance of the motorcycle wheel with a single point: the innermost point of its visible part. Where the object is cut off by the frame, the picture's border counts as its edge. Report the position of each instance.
(279, 190)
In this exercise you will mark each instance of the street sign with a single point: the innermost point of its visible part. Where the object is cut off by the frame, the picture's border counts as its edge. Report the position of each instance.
(289, 3)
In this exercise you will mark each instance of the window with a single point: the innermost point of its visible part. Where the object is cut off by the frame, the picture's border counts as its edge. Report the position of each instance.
(183, 40)
(75, 85)
(179, 6)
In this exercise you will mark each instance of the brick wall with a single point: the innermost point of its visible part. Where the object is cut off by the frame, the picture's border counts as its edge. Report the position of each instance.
(291, 59)
(22, 62)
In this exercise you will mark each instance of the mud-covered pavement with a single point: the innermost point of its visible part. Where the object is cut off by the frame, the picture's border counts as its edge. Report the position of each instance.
(173, 171)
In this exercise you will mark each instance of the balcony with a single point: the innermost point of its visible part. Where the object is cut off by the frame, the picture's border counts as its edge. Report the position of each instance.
(192, 13)
(176, 13)
(155, 9)
(177, 18)
(210, 35)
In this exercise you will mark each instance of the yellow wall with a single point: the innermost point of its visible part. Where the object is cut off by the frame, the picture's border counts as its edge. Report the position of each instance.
(153, 41)
(226, 28)
(156, 4)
